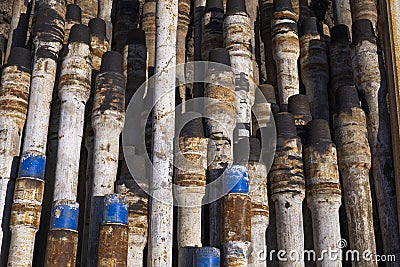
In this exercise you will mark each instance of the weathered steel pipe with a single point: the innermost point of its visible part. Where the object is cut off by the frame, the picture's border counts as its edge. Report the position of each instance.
(340, 62)
(74, 91)
(365, 9)
(237, 40)
(28, 196)
(252, 10)
(190, 178)
(113, 239)
(286, 50)
(323, 191)
(206, 257)
(212, 36)
(314, 68)
(161, 217)
(236, 222)
(105, 8)
(14, 95)
(21, 10)
(342, 12)
(149, 27)
(370, 80)
(354, 158)
(288, 190)
(126, 18)
(72, 17)
(89, 9)
(262, 109)
(300, 108)
(107, 122)
(221, 113)
(266, 16)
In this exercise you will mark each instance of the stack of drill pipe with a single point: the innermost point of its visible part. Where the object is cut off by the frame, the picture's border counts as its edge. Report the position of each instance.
(113, 236)
(74, 91)
(323, 190)
(105, 8)
(190, 178)
(314, 68)
(300, 108)
(19, 24)
(286, 50)
(212, 27)
(107, 122)
(354, 158)
(149, 27)
(137, 200)
(206, 257)
(161, 216)
(342, 12)
(266, 14)
(14, 93)
(370, 80)
(237, 40)
(126, 19)
(221, 113)
(259, 203)
(365, 9)
(99, 44)
(28, 196)
(236, 222)
(340, 61)
(287, 187)
(89, 9)
(72, 17)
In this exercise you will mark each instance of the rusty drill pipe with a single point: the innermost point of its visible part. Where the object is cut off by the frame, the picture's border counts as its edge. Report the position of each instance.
(252, 10)
(258, 192)
(74, 91)
(149, 26)
(190, 178)
(236, 222)
(105, 8)
(221, 113)
(340, 61)
(237, 40)
(323, 190)
(262, 108)
(354, 158)
(314, 68)
(370, 80)
(137, 201)
(72, 17)
(342, 12)
(365, 9)
(287, 187)
(21, 10)
(286, 50)
(107, 122)
(126, 19)
(266, 16)
(212, 36)
(14, 94)
(300, 108)
(28, 196)
(89, 9)
(113, 237)
(161, 215)
(206, 257)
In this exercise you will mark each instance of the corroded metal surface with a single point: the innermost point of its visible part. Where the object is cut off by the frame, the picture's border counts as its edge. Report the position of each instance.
(212, 30)
(126, 18)
(61, 248)
(365, 9)
(342, 12)
(105, 8)
(113, 246)
(266, 14)
(149, 26)
(89, 9)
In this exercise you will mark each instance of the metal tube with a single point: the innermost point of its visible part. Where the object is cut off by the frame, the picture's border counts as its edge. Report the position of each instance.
(107, 122)
(126, 18)
(365, 9)
(161, 217)
(342, 12)
(354, 158)
(149, 27)
(286, 50)
(212, 36)
(323, 191)
(287, 187)
(105, 8)
(74, 91)
(370, 80)
(89, 9)
(72, 17)
(14, 94)
(28, 197)
(300, 108)
(266, 16)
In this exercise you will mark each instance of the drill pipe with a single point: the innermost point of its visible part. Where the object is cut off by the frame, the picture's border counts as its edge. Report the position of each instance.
(342, 12)
(212, 36)
(29, 186)
(89, 9)
(354, 158)
(72, 17)
(287, 187)
(149, 27)
(300, 108)
(105, 8)
(126, 19)
(365, 9)
(266, 15)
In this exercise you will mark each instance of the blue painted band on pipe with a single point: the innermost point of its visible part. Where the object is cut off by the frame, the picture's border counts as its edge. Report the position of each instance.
(207, 257)
(236, 179)
(115, 210)
(65, 215)
(32, 165)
